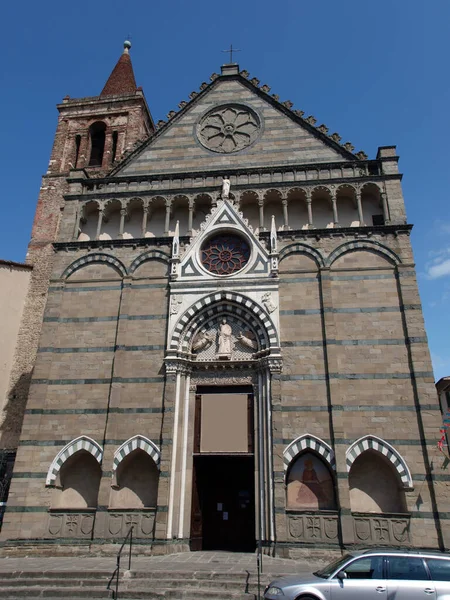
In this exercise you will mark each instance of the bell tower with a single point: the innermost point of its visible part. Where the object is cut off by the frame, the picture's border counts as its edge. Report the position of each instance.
(92, 135)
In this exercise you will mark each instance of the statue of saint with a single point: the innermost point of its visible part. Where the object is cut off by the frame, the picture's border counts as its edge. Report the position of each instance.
(224, 339)
(225, 187)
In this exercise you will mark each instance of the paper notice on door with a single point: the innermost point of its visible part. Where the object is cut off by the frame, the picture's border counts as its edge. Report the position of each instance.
(225, 516)
(219, 506)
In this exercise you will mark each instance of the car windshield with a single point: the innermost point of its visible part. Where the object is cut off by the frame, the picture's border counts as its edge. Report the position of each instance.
(332, 567)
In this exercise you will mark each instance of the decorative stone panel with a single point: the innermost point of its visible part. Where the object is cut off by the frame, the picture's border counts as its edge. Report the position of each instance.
(229, 128)
(71, 524)
(118, 523)
(313, 527)
(382, 529)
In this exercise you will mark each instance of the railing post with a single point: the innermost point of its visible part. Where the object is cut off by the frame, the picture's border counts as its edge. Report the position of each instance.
(131, 544)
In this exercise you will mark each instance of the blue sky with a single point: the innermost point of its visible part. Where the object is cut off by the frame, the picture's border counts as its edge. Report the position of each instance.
(376, 72)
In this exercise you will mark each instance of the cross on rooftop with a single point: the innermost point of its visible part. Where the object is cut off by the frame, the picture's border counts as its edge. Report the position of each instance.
(231, 50)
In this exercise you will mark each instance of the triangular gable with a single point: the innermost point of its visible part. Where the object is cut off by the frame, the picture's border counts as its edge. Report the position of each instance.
(224, 217)
(284, 137)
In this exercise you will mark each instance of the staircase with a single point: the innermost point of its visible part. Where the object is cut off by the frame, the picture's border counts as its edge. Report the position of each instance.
(155, 585)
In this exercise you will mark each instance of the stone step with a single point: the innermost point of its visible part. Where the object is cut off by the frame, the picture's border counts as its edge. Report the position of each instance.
(139, 584)
(25, 593)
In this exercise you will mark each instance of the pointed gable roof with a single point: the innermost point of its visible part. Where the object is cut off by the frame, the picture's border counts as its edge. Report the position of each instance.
(224, 217)
(342, 151)
(121, 81)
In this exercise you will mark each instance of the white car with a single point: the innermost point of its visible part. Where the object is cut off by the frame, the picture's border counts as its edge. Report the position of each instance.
(371, 575)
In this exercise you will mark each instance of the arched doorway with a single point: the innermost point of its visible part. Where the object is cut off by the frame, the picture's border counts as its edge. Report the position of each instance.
(222, 352)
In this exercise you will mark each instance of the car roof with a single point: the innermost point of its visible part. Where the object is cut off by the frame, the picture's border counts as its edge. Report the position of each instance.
(397, 551)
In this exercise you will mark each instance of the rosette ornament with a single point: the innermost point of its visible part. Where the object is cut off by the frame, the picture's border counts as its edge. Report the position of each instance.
(229, 129)
(225, 254)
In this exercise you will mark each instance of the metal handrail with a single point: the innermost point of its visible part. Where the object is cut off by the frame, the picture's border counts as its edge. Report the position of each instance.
(259, 566)
(115, 593)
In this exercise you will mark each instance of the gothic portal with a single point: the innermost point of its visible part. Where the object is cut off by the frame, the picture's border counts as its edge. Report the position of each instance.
(232, 344)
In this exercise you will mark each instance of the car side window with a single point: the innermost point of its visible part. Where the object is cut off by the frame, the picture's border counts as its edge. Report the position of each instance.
(439, 569)
(406, 567)
(365, 568)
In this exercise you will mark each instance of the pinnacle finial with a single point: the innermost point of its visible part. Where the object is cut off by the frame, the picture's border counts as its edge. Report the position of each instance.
(126, 46)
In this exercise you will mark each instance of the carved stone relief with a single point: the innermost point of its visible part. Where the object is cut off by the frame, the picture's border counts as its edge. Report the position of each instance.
(268, 302)
(71, 525)
(214, 378)
(229, 128)
(119, 523)
(175, 303)
(226, 338)
(313, 528)
(382, 530)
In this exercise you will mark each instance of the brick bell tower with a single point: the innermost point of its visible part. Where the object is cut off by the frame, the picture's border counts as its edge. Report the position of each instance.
(92, 135)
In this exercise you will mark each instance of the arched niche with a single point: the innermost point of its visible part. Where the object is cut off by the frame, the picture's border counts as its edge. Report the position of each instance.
(136, 482)
(375, 485)
(88, 222)
(156, 218)
(273, 207)
(310, 483)
(110, 229)
(248, 204)
(179, 212)
(321, 208)
(133, 220)
(202, 208)
(297, 208)
(77, 482)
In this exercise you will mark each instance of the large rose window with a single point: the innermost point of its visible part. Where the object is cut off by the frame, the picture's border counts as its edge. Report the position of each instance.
(228, 128)
(225, 254)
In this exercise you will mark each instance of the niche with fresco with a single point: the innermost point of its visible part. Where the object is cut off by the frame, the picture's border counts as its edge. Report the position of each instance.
(310, 484)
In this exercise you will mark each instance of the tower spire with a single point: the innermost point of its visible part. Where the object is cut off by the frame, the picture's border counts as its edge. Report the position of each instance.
(121, 81)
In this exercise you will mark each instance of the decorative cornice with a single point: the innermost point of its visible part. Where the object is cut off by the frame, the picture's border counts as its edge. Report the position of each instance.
(263, 235)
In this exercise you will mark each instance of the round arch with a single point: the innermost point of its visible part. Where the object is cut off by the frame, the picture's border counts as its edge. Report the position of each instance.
(80, 443)
(219, 304)
(97, 257)
(371, 442)
(370, 245)
(146, 256)
(299, 248)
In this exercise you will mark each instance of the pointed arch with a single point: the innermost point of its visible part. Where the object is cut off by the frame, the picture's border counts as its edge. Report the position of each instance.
(146, 256)
(135, 443)
(370, 245)
(80, 443)
(96, 257)
(299, 248)
(219, 303)
(308, 442)
(371, 442)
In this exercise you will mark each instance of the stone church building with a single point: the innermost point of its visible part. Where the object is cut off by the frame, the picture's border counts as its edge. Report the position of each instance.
(231, 343)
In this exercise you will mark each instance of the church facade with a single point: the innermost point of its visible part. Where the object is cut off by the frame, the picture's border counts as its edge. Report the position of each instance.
(232, 346)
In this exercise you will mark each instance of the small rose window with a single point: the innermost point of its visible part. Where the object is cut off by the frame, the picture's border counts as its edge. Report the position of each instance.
(225, 254)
